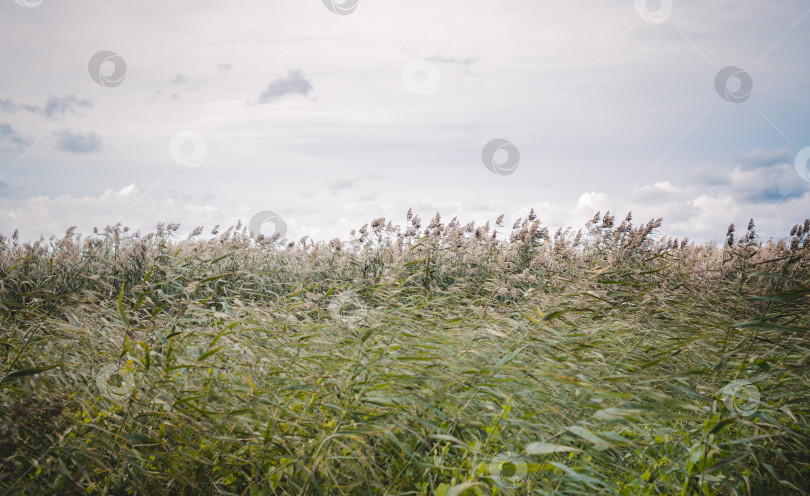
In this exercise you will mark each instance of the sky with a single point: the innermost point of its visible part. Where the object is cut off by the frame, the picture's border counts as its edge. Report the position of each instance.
(330, 114)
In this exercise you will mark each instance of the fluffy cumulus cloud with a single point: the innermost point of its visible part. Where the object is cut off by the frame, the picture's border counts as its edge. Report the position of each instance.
(763, 176)
(293, 83)
(762, 185)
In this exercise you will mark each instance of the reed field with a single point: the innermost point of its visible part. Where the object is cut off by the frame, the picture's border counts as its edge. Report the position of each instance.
(427, 358)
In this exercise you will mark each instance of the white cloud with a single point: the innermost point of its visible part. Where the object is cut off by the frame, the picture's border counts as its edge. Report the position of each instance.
(77, 142)
(10, 138)
(293, 83)
(131, 205)
(587, 205)
(55, 107)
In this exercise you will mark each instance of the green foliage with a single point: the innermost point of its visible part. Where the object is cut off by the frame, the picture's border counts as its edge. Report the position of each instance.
(442, 360)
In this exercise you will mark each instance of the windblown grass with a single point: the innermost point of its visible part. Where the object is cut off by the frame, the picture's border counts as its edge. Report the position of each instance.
(405, 361)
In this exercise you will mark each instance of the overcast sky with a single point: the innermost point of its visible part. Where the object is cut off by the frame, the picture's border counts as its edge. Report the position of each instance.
(206, 112)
